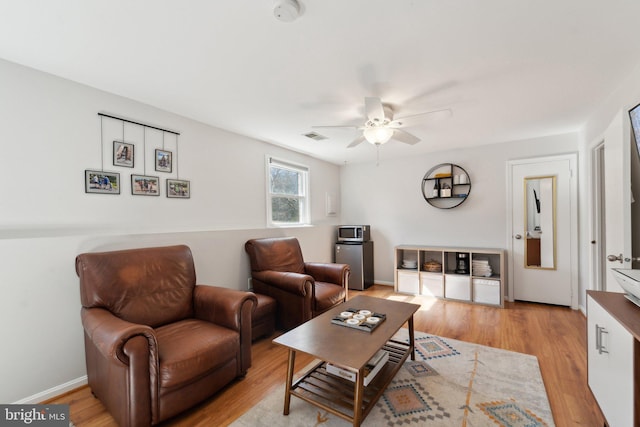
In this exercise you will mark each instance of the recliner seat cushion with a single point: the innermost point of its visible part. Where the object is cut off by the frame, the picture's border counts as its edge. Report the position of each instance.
(328, 295)
(192, 348)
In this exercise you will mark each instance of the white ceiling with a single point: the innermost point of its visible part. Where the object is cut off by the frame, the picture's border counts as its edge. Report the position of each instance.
(508, 69)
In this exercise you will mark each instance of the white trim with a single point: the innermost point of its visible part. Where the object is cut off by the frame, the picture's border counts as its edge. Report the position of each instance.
(573, 164)
(287, 163)
(53, 392)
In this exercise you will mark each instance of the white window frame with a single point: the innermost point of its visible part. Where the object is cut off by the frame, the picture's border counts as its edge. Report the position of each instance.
(304, 198)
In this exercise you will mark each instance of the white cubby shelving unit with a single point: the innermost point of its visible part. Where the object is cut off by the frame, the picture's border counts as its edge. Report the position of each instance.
(447, 283)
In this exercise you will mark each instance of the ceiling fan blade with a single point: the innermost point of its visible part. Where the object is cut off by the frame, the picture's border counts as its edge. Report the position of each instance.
(338, 127)
(413, 119)
(406, 137)
(356, 141)
(374, 109)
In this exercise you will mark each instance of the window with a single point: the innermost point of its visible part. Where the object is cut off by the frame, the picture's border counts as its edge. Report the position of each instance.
(287, 193)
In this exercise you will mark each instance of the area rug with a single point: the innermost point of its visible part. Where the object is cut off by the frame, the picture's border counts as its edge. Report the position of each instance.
(451, 383)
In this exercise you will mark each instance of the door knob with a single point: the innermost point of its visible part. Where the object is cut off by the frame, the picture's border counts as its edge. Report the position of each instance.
(613, 258)
(518, 236)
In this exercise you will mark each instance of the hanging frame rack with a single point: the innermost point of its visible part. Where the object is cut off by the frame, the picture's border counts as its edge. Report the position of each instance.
(138, 123)
(144, 126)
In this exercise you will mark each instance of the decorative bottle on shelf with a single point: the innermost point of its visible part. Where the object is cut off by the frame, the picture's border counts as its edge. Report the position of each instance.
(445, 191)
(435, 189)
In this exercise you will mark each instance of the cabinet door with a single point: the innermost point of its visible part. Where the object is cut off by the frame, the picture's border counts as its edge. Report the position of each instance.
(408, 282)
(457, 287)
(431, 284)
(610, 365)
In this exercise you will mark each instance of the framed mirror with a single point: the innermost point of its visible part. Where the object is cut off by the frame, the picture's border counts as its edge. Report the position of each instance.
(540, 222)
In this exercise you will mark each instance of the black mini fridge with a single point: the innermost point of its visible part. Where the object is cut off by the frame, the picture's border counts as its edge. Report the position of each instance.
(359, 255)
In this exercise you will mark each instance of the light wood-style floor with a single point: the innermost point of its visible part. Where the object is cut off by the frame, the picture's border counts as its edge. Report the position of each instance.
(556, 335)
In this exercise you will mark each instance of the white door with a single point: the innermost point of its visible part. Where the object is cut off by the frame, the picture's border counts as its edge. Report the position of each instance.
(554, 283)
(617, 183)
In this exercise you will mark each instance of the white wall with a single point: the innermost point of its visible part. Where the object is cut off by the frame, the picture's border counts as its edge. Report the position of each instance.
(389, 198)
(50, 134)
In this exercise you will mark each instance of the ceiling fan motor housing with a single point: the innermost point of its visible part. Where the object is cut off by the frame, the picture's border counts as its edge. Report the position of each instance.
(388, 118)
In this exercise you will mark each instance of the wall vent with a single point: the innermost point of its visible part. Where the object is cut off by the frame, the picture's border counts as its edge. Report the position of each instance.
(315, 136)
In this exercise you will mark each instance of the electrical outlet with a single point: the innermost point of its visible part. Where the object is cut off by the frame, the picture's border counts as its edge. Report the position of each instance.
(249, 284)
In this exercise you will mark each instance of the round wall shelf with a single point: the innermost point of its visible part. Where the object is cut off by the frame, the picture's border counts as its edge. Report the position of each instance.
(446, 186)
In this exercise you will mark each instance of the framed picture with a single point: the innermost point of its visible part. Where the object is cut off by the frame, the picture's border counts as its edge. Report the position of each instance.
(178, 189)
(122, 154)
(143, 185)
(163, 160)
(101, 182)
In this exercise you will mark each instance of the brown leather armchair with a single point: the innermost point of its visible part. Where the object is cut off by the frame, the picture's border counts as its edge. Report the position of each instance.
(301, 289)
(155, 343)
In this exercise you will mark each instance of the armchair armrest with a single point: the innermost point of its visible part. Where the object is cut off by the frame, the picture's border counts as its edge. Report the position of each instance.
(329, 272)
(293, 283)
(109, 334)
(230, 308)
(223, 306)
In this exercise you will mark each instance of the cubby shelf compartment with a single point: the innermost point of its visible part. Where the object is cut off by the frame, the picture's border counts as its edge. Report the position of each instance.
(446, 283)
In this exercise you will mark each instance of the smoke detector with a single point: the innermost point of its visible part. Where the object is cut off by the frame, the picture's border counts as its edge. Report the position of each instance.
(286, 10)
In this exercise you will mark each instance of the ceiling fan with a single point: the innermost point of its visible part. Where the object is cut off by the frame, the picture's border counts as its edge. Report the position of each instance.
(380, 126)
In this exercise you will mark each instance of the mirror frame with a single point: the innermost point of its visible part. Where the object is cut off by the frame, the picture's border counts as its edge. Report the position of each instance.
(554, 219)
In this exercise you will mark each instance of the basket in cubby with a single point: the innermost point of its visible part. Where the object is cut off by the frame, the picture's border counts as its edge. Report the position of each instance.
(432, 266)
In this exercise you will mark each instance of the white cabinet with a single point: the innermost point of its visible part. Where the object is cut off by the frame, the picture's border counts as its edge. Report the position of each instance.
(432, 284)
(486, 291)
(408, 282)
(435, 271)
(610, 358)
(457, 287)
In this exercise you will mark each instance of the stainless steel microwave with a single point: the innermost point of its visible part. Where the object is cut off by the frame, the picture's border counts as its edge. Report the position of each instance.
(353, 233)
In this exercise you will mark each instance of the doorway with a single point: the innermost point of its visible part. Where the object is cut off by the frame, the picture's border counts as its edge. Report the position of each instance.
(598, 241)
(542, 230)
(611, 203)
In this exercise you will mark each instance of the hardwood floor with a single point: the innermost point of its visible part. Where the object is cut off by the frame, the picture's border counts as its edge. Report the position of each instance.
(556, 335)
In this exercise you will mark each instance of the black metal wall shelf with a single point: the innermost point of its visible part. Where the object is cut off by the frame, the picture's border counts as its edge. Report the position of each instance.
(446, 186)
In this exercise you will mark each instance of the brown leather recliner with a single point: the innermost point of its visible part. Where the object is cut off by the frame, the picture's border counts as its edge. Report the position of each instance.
(155, 343)
(301, 289)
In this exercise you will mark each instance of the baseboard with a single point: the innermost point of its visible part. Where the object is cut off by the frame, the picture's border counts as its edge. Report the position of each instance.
(583, 309)
(53, 392)
(380, 282)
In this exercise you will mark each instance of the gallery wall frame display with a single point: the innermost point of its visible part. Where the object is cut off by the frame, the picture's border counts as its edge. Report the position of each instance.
(101, 182)
(178, 189)
(144, 185)
(123, 154)
(163, 161)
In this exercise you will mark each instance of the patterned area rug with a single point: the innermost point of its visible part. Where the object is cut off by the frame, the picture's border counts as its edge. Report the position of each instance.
(451, 383)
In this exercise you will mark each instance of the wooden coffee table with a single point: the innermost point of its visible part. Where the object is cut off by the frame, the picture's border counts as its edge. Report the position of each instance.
(350, 348)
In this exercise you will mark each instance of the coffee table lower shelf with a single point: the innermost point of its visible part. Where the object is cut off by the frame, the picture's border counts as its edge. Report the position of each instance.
(336, 395)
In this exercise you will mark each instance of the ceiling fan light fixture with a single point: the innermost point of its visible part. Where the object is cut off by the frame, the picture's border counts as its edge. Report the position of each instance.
(378, 134)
